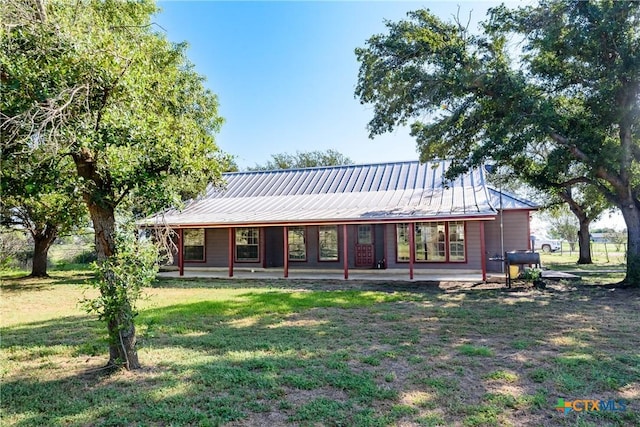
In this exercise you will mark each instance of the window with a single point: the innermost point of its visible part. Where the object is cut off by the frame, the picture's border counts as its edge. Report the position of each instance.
(434, 241)
(456, 241)
(193, 246)
(247, 244)
(402, 241)
(328, 243)
(430, 244)
(297, 244)
(365, 236)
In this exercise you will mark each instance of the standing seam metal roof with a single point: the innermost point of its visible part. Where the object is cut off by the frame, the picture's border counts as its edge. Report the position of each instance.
(375, 192)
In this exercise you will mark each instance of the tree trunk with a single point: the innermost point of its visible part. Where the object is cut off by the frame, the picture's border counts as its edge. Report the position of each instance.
(631, 214)
(117, 312)
(122, 331)
(42, 238)
(584, 242)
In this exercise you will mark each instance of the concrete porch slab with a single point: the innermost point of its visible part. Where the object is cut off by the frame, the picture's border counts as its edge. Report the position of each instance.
(316, 274)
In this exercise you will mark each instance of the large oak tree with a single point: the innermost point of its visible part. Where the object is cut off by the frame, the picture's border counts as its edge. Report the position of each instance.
(97, 82)
(40, 196)
(547, 90)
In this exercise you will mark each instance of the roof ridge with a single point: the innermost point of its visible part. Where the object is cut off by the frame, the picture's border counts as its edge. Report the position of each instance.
(355, 165)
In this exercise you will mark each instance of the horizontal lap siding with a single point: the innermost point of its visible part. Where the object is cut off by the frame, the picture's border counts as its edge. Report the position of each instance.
(516, 236)
(313, 260)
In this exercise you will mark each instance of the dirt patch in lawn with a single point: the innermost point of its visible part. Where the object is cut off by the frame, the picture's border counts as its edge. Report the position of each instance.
(480, 354)
(320, 352)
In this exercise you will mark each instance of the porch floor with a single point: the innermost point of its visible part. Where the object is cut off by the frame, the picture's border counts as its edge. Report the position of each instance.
(369, 275)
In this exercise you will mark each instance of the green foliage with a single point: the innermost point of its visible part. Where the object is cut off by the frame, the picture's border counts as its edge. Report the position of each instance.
(121, 277)
(563, 225)
(531, 274)
(94, 83)
(13, 246)
(558, 106)
(305, 159)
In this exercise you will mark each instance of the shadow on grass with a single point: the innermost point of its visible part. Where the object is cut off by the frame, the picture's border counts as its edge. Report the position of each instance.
(345, 357)
(26, 283)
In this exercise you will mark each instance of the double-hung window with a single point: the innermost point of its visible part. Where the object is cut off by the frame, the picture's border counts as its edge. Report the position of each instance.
(297, 243)
(248, 244)
(193, 246)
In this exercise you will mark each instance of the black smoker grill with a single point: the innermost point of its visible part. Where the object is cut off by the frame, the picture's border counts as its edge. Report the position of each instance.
(519, 258)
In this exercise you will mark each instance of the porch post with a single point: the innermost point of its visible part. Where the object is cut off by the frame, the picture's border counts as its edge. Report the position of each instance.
(231, 241)
(181, 251)
(412, 248)
(345, 253)
(286, 251)
(483, 252)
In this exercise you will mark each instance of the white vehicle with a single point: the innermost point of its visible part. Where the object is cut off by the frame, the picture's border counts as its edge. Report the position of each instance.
(545, 243)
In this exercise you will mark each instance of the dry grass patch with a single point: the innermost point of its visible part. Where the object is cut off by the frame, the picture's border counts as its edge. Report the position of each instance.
(258, 353)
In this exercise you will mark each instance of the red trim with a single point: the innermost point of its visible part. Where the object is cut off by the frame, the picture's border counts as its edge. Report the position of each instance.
(286, 251)
(231, 242)
(345, 247)
(372, 244)
(483, 252)
(263, 247)
(181, 251)
(338, 243)
(348, 221)
(259, 245)
(412, 248)
(384, 243)
(204, 248)
(306, 247)
(448, 242)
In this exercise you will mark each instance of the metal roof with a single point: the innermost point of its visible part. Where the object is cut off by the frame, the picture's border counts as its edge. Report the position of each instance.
(352, 193)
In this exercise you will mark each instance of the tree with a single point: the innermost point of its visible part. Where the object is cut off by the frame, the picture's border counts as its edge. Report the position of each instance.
(563, 224)
(40, 197)
(95, 82)
(586, 205)
(571, 93)
(305, 159)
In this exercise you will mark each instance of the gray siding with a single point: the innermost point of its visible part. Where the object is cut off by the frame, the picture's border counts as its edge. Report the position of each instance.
(516, 236)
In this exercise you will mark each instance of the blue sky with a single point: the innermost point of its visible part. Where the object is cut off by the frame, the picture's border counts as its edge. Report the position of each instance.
(285, 72)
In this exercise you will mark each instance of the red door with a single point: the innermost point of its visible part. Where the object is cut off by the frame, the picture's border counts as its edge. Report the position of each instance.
(364, 246)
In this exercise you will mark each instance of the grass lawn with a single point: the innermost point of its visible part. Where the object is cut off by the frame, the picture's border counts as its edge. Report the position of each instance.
(292, 352)
(606, 268)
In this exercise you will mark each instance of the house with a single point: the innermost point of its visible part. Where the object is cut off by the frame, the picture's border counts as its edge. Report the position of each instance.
(401, 215)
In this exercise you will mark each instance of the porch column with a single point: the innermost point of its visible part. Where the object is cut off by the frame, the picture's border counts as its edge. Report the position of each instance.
(345, 252)
(483, 252)
(231, 241)
(181, 251)
(412, 248)
(286, 251)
